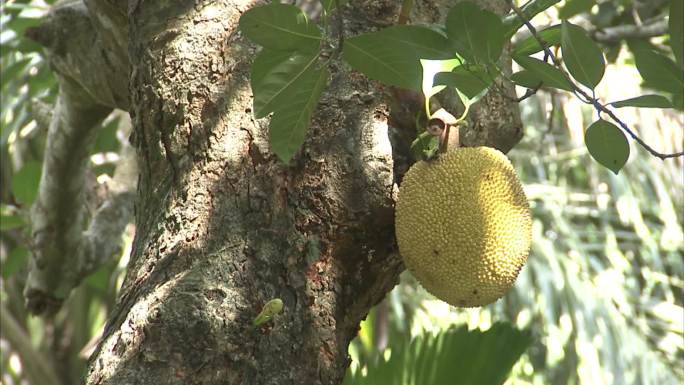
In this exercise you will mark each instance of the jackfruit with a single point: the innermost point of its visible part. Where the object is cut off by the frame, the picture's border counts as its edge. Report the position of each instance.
(463, 225)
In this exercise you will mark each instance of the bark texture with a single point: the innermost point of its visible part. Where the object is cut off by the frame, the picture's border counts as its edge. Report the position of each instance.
(92, 71)
(222, 226)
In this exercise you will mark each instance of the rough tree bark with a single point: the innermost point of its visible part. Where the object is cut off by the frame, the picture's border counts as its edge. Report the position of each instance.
(222, 226)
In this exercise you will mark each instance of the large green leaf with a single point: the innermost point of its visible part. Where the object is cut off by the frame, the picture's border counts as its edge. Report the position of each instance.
(676, 24)
(581, 55)
(43, 84)
(607, 144)
(527, 79)
(12, 71)
(550, 36)
(392, 55)
(290, 122)
(644, 101)
(10, 218)
(432, 68)
(574, 7)
(16, 259)
(550, 75)
(659, 71)
(678, 100)
(275, 75)
(20, 23)
(10, 222)
(25, 182)
(470, 80)
(453, 357)
(477, 34)
(280, 27)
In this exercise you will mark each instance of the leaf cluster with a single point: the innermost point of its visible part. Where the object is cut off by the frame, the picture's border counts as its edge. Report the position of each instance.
(456, 356)
(288, 77)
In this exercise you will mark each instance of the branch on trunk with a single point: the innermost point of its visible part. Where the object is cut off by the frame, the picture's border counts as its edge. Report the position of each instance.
(77, 50)
(102, 239)
(92, 76)
(57, 216)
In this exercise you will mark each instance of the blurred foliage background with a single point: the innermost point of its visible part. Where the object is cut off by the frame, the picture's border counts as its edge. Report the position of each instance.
(602, 295)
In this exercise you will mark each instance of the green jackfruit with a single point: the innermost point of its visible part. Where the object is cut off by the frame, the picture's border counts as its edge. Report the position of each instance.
(463, 225)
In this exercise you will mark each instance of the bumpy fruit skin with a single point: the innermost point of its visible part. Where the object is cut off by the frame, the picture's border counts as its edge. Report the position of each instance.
(463, 225)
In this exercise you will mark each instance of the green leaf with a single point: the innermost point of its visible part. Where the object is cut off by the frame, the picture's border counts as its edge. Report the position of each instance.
(551, 36)
(477, 34)
(329, 5)
(456, 356)
(16, 259)
(430, 69)
(606, 13)
(470, 80)
(25, 182)
(106, 137)
(281, 27)
(550, 75)
(392, 55)
(513, 22)
(659, 71)
(290, 121)
(10, 218)
(527, 79)
(612, 53)
(468, 101)
(424, 147)
(676, 26)
(678, 101)
(12, 71)
(270, 309)
(581, 55)
(43, 82)
(607, 144)
(644, 101)
(20, 24)
(10, 222)
(100, 278)
(574, 7)
(275, 75)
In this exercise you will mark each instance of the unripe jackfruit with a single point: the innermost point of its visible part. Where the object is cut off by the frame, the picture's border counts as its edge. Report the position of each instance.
(463, 225)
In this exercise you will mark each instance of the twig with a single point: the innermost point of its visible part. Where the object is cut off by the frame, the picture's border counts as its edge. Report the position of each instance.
(513, 22)
(34, 363)
(586, 97)
(528, 93)
(552, 115)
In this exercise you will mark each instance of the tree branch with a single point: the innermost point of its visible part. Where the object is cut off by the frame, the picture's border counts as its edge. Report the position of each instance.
(586, 98)
(58, 215)
(622, 32)
(102, 239)
(93, 78)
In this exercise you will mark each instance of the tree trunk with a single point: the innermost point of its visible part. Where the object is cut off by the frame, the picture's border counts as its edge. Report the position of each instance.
(222, 226)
